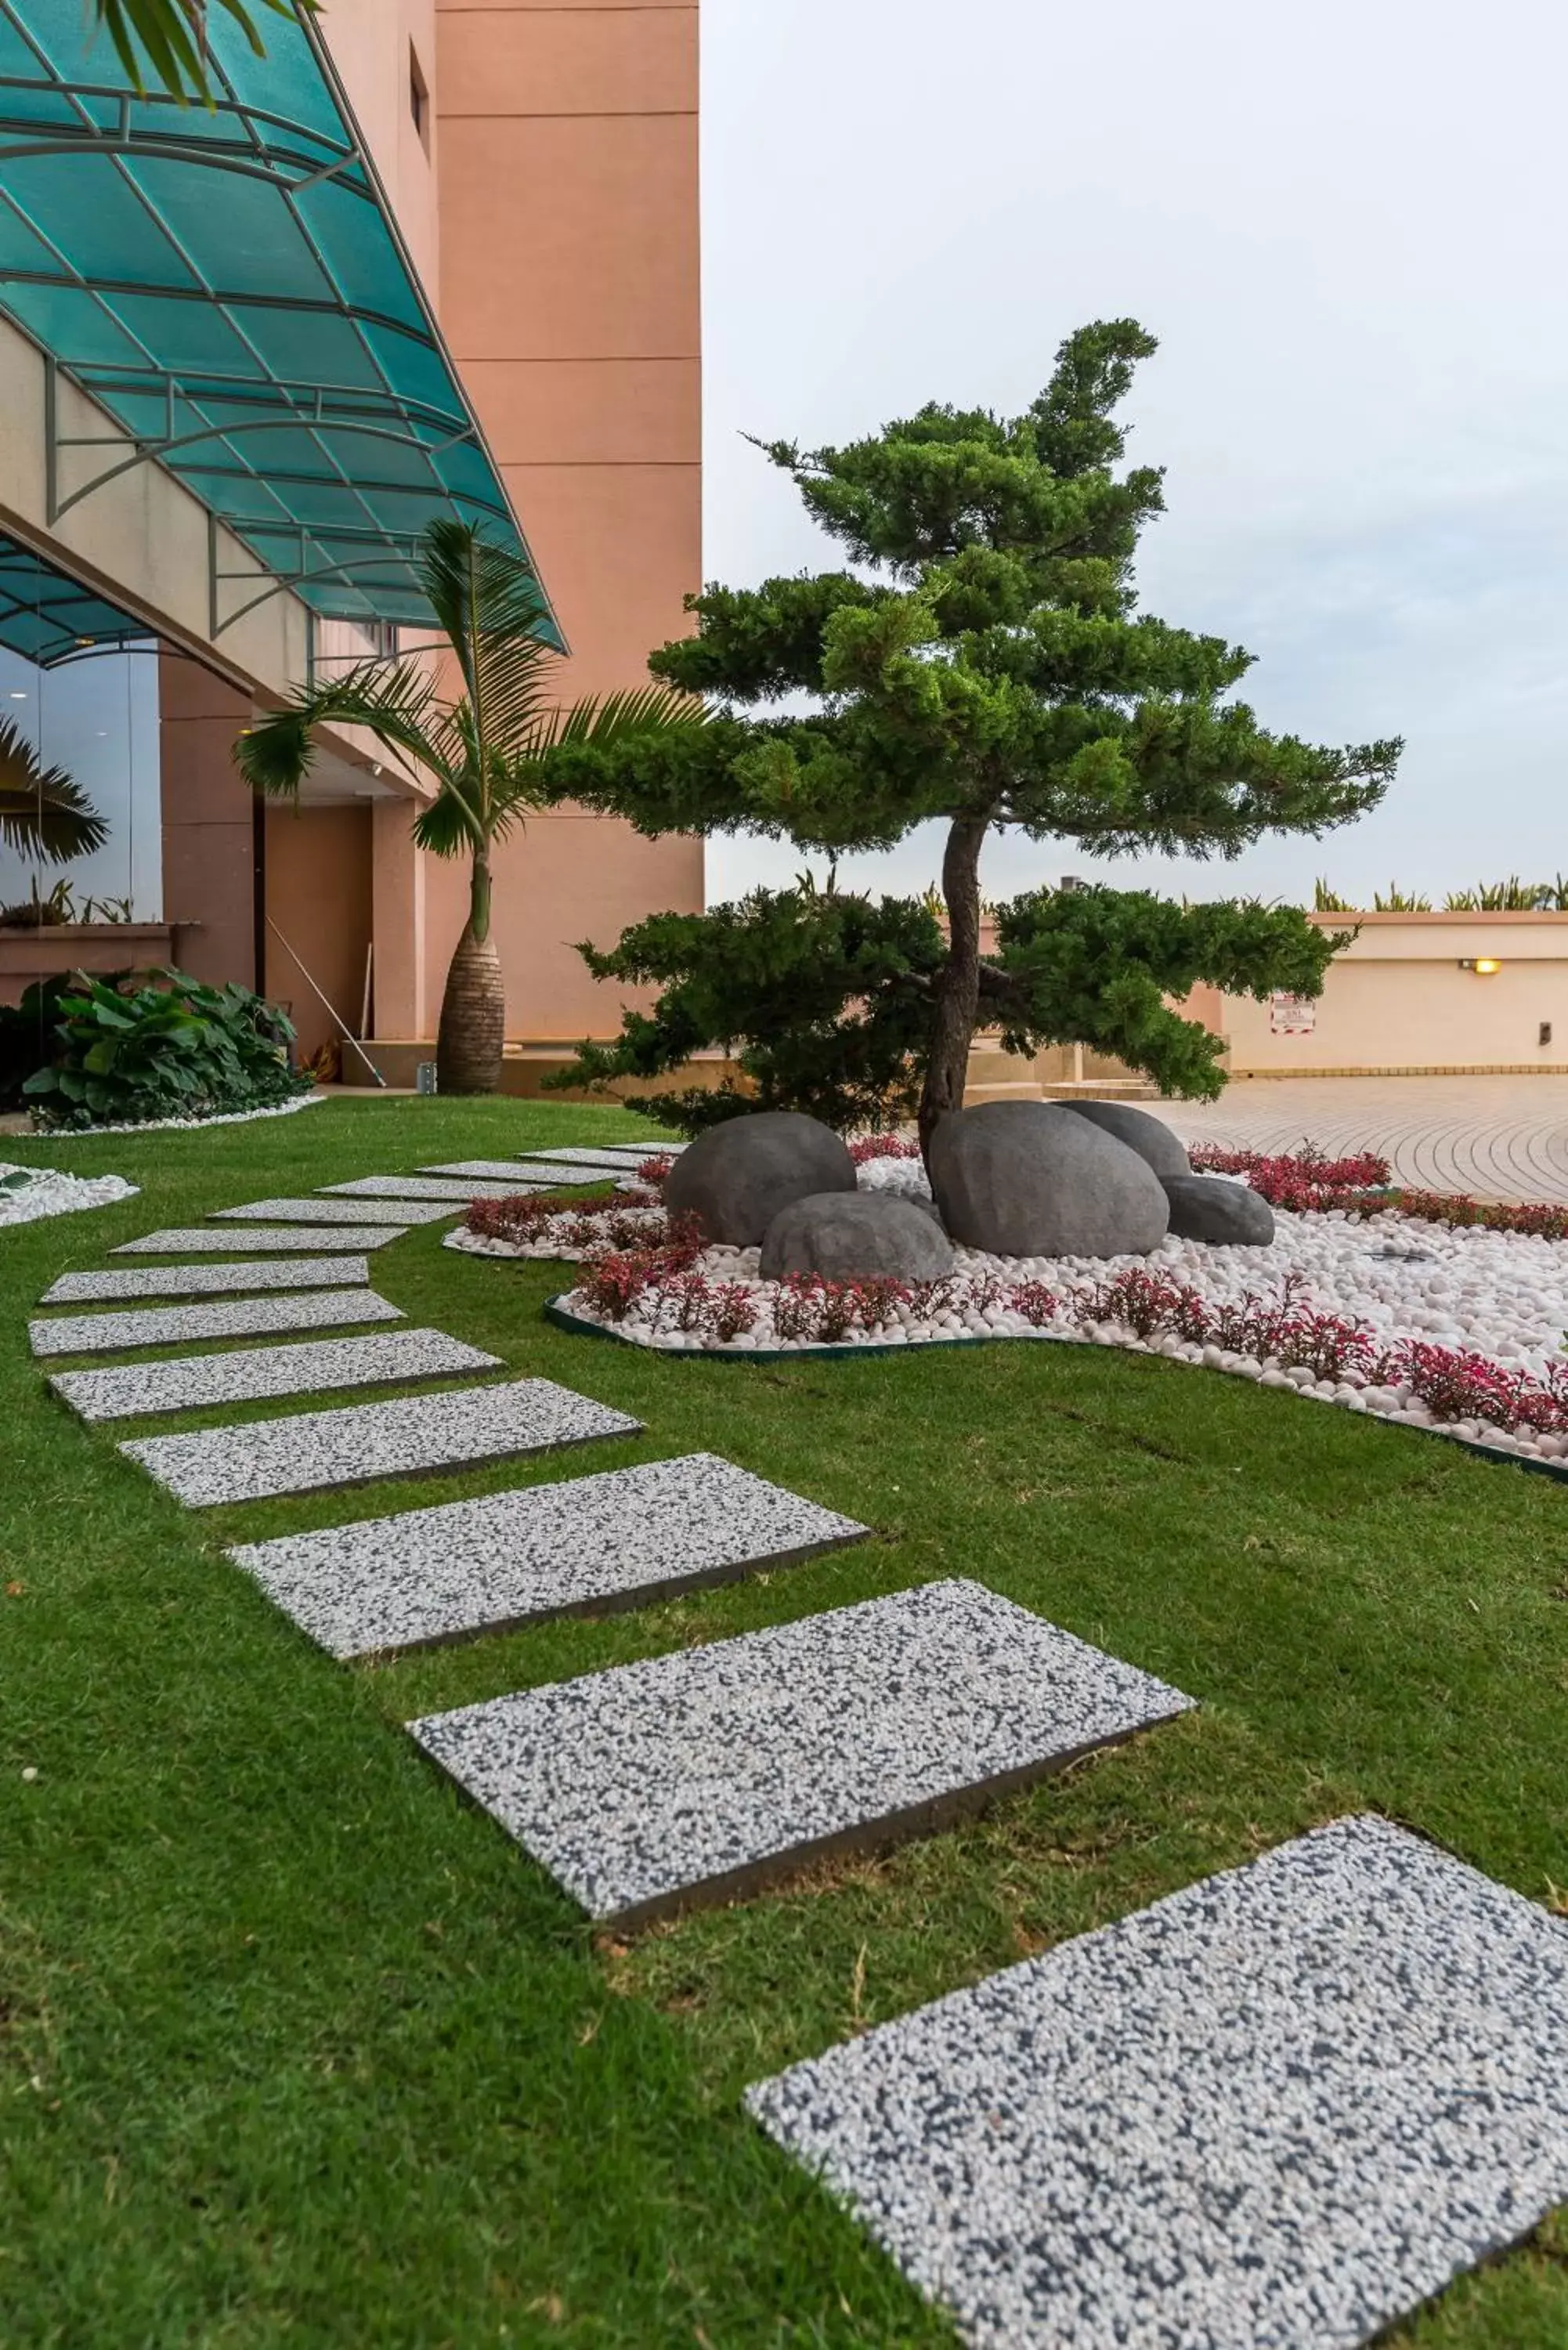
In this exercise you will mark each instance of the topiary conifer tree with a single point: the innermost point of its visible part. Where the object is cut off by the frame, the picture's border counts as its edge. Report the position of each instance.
(983, 664)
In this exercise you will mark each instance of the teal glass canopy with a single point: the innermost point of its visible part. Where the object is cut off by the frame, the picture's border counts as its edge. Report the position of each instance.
(49, 618)
(229, 282)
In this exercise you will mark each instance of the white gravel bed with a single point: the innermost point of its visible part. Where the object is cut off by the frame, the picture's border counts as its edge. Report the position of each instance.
(183, 1124)
(1503, 1296)
(45, 1191)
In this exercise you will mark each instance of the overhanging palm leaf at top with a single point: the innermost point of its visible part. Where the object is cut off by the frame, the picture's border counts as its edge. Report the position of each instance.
(44, 811)
(484, 748)
(171, 36)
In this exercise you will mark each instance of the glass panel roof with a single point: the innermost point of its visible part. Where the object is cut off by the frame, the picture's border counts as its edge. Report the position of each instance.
(49, 618)
(228, 282)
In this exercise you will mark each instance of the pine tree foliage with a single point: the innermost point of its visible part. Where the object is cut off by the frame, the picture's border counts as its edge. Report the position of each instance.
(982, 663)
(824, 1000)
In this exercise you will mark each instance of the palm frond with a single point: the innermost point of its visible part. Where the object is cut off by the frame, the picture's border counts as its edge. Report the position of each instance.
(44, 811)
(608, 718)
(448, 825)
(492, 610)
(170, 36)
(398, 706)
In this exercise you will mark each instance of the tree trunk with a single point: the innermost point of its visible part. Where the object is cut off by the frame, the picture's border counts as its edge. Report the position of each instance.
(957, 1003)
(474, 1008)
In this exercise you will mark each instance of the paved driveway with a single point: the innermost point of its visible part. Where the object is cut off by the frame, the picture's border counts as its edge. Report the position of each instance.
(1496, 1137)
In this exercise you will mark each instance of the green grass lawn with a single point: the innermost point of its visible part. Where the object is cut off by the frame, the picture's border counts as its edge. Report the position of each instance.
(296, 2048)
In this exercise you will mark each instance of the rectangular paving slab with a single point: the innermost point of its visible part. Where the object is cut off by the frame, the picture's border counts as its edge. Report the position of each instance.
(205, 1280)
(336, 1211)
(420, 1187)
(251, 1372)
(617, 1539)
(521, 1175)
(200, 1240)
(234, 1318)
(1283, 2107)
(619, 1162)
(357, 1442)
(703, 1773)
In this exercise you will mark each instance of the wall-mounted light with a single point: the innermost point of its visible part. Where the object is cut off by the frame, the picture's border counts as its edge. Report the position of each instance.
(1483, 966)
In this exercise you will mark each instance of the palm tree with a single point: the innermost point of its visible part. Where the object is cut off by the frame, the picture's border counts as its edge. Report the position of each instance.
(483, 752)
(44, 812)
(171, 36)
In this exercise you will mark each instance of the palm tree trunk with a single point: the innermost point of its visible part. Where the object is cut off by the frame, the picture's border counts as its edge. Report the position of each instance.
(957, 1004)
(474, 1008)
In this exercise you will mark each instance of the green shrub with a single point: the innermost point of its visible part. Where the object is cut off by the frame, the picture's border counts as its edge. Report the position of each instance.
(169, 1047)
(27, 1034)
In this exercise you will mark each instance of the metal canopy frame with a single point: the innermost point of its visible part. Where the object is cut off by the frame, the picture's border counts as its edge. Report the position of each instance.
(51, 619)
(228, 283)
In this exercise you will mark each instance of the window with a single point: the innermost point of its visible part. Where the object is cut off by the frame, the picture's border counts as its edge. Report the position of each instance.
(419, 98)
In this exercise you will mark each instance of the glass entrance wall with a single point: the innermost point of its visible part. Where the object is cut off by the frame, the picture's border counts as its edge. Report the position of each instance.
(94, 715)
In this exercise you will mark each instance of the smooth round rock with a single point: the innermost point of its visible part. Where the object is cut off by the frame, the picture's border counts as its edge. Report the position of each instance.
(1034, 1179)
(847, 1237)
(735, 1178)
(1226, 1215)
(1140, 1131)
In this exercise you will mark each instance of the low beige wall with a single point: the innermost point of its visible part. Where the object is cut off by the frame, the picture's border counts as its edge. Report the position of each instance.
(1399, 1000)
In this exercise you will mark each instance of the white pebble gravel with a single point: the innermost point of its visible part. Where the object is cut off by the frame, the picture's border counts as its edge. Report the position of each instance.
(45, 1191)
(1503, 1296)
(172, 1125)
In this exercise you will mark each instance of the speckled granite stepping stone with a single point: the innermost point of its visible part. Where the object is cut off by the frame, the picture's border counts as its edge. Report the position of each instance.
(357, 1442)
(519, 1175)
(205, 1280)
(200, 1240)
(702, 1773)
(1281, 2107)
(334, 1212)
(237, 1317)
(254, 1371)
(418, 1187)
(635, 1151)
(613, 1162)
(617, 1539)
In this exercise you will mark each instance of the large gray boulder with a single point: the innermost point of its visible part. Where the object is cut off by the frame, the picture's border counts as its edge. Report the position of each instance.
(1228, 1215)
(1034, 1179)
(735, 1178)
(851, 1237)
(1149, 1136)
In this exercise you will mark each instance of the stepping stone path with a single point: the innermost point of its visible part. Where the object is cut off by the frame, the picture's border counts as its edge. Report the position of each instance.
(621, 1538)
(358, 1442)
(205, 1280)
(1283, 2107)
(334, 1211)
(510, 1172)
(248, 1374)
(200, 1240)
(699, 1775)
(172, 1325)
(418, 1187)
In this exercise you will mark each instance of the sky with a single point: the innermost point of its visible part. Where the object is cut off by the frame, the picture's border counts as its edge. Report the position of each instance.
(1344, 223)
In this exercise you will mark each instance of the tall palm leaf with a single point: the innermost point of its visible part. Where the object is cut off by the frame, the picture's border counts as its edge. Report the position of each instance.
(482, 751)
(170, 36)
(44, 812)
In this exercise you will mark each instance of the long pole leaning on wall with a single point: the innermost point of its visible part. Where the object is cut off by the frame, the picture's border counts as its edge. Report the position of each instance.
(349, 1035)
